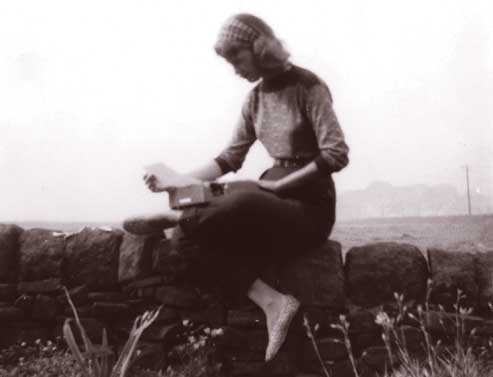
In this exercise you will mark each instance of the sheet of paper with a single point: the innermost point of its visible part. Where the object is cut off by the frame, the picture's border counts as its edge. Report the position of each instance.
(169, 177)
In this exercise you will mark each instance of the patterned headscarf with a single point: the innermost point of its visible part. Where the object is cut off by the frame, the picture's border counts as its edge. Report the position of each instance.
(241, 29)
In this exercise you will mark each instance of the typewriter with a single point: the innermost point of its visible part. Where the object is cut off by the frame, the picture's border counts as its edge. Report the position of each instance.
(201, 194)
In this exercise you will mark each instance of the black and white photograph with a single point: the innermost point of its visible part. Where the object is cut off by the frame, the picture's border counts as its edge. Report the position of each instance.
(246, 188)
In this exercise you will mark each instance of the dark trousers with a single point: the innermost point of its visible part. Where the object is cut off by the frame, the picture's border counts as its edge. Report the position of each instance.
(248, 229)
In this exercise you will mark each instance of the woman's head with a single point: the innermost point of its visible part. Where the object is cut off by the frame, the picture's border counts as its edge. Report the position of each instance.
(251, 46)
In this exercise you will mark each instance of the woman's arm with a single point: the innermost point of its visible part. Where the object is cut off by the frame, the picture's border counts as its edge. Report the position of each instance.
(297, 178)
(208, 172)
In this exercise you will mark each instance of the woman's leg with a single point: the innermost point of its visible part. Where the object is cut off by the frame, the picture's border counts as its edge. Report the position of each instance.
(152, 223)
(279, 311)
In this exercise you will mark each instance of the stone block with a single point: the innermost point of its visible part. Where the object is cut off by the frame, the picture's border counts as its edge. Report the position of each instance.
(168, 262)
(11, 313)
(484, 278)
(163, 333)
(246, 318)
(331, 349)
(45, 308)
(375, 271)
(451, 271)
(40, 286)
(8, 292)
(41, 255)
(79, 296)
(135, 257)
(9, 252)
(92, 258)
(109, 310)
(180, 297)
(25, 303)
(106, 296)
(316, 278)
(24, 331)
(92, 327)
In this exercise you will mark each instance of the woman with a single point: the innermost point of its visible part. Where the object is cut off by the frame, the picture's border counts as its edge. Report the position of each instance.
(292, 207)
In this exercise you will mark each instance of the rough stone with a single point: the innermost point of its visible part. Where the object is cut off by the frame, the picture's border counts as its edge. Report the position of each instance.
(25, 303)
(109, 310)
(45, 308)
(92, 327)
(281, 365)
(374, 361)
(11, 313)
(24, 331)
(180, 297)
(106, 296)
(9, 246)
(135, 257)
(163, 333)
(451, 271)
(150, 356)
(40, 286)
(317, 277)
(79, 296)
(168, 262)
(484, 278)
(246, 318)
(331, 349)
(375, 271)
(8, 292)
(41, 255)
(213, 315)
(92, 258)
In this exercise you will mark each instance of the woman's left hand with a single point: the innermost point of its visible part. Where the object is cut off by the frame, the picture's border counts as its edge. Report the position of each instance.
(272, 186)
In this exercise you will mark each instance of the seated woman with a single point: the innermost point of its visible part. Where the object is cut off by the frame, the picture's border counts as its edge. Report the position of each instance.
(291, 208)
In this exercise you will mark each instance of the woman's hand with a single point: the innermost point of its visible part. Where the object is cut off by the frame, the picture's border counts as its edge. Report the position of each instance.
(272, 186)
(155, 185)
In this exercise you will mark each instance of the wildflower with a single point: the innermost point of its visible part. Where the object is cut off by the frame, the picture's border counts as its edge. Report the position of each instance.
(138, 352)
(383, 319)
(23, 344)
(185, 322)
(317, 326)
(217, 332)
(191, 339)
(207, 331)
(49, 343)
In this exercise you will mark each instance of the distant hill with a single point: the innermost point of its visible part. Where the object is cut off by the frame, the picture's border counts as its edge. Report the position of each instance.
(381, 199)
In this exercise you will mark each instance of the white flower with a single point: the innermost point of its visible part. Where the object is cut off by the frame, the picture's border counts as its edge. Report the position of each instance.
(217, 332)
(185, 322)
(23, 344)
(383, 319)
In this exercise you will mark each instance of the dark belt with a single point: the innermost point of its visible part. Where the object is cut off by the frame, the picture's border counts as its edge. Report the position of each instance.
(291, 162)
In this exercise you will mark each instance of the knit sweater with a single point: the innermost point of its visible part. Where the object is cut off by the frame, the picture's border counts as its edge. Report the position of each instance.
(292, 116)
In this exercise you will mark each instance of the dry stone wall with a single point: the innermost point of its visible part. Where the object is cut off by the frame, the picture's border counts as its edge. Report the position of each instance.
(113, 276)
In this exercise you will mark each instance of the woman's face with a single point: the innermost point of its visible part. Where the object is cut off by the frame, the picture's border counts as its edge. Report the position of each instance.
(243, 61)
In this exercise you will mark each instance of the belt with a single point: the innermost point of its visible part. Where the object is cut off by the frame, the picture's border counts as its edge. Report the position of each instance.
(291, 162)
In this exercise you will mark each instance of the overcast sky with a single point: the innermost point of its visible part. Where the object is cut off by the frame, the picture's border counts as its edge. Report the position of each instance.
(90, 91)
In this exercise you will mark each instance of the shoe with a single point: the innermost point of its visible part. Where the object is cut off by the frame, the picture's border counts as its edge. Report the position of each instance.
(281, 327)
(144, 225)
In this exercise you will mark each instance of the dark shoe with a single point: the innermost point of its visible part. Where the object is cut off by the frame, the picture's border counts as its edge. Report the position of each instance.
(143, 225)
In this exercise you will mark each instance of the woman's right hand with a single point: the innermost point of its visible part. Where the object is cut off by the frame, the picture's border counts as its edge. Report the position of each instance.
(153, 183)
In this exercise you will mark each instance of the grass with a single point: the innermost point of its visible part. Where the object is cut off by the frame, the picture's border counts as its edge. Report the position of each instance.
(462, 358)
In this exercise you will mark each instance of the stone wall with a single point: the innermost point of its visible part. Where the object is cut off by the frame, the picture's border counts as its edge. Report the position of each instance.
(113, 276)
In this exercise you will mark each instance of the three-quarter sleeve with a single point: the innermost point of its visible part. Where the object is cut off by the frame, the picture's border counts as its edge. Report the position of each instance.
(333, 149)
(233, 156)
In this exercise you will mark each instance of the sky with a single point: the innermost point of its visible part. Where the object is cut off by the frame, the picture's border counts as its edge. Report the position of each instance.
(91, 91)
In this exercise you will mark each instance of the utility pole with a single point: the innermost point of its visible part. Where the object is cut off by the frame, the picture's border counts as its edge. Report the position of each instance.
(468, 192)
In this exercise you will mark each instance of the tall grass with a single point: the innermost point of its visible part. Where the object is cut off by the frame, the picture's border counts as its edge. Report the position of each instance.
(99, 360)
(461, 358)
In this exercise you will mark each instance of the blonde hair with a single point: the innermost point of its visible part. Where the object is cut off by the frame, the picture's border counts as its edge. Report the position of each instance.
(268, 50)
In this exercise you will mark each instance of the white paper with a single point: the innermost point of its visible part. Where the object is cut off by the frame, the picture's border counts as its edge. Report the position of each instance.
(168, 177)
